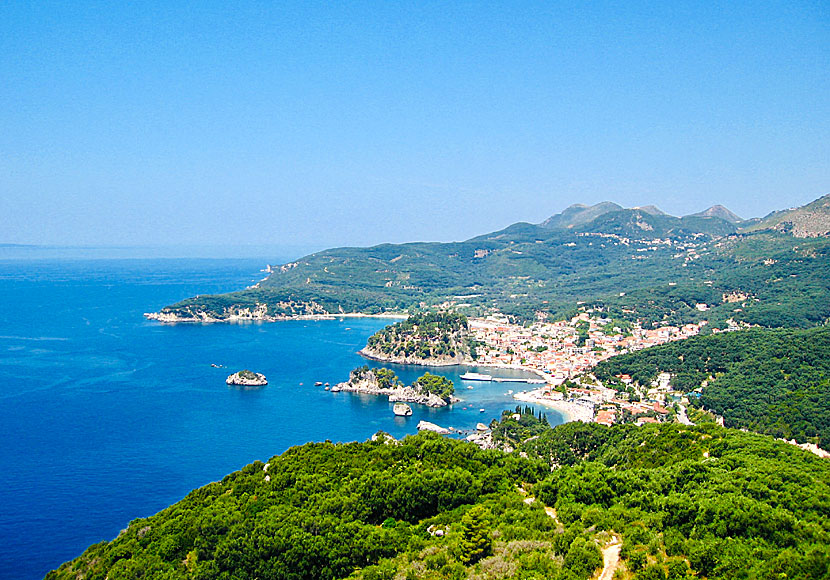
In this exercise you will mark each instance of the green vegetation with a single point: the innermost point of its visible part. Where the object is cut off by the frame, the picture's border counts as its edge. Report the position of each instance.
(385, 378)
(769, 381)
(435, 385)
(664, 267)
(717, 502)
(517, 426)
(250, 375)
(429, 335)
(688, 502)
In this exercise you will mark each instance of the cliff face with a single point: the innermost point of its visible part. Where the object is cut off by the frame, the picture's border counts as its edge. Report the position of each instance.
(415, 359)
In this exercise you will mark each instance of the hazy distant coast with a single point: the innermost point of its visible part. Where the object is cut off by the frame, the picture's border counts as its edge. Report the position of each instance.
(258, 316)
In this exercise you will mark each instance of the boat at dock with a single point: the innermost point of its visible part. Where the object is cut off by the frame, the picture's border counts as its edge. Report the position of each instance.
(476, 377)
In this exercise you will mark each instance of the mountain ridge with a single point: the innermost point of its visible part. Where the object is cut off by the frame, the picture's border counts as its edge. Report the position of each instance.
(527, 268)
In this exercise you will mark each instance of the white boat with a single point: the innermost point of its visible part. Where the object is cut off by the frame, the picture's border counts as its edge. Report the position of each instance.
(476, 377)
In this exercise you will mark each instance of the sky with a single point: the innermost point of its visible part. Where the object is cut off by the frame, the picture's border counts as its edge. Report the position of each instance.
(350, 123)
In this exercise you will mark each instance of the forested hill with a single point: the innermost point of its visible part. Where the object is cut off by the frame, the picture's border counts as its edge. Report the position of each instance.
(687, 502)
(769, 381)
(436, 338)
(656, 268)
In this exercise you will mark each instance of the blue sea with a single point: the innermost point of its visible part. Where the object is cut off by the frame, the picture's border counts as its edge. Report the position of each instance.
(106, 417)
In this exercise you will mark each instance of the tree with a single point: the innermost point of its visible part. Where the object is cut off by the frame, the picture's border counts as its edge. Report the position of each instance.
(583, 557)
(475, 541)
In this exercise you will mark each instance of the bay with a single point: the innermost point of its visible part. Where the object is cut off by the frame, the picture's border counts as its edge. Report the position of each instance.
(106, 417)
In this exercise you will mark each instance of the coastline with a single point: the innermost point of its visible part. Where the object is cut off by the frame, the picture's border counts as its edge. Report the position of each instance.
(365, 352)
(571, 411)
(170, 318)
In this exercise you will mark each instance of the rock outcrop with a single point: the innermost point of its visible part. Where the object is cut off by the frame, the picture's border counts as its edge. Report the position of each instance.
(247, 378)
(414, 359)
(365, 381)
(427, 426)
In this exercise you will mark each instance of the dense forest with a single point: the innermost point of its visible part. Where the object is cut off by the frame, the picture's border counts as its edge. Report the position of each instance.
(428, 335)
(769, 381)
(638, 266)
(687, 502)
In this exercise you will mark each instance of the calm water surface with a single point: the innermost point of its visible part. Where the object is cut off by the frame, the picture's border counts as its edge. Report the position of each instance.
(106, 417)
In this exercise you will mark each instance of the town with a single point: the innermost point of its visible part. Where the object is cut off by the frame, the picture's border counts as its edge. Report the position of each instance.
(563, 354)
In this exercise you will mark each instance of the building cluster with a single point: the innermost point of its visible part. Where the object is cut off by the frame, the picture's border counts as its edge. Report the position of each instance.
(566, 350)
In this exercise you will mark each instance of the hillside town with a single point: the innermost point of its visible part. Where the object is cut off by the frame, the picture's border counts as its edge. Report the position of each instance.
(564, 352)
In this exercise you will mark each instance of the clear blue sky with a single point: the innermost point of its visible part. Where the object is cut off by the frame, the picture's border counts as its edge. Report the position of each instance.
(339, 123)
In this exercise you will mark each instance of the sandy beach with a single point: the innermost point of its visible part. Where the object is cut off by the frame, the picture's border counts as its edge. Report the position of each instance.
(571, 411)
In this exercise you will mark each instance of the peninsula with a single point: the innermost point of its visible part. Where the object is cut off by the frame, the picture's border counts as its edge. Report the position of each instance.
(430, 339)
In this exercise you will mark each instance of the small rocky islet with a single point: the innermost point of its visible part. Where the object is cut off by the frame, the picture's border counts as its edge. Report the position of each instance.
(246, 378)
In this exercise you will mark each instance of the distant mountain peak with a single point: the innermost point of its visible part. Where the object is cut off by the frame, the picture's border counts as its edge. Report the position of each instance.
(651, 209)
(721, 212)
(578, 214)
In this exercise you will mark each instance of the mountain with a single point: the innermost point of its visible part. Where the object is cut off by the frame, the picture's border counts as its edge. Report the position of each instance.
(647, 223)
(721, 212)
(579, 214)
(641, 266)
(651, 209)
(807, 221)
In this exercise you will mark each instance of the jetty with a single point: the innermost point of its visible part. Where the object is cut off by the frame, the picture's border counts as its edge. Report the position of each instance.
(491, 378)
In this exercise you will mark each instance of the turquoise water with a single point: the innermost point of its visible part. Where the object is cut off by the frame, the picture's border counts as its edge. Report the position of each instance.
(106, 417)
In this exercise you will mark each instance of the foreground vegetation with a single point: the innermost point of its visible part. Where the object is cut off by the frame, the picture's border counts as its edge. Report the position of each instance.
(688, 502)
(769, 381)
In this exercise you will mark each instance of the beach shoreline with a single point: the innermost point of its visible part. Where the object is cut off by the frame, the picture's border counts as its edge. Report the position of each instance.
(570, 411)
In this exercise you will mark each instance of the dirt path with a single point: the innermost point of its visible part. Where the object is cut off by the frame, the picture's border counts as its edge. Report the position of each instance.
(610, 559)
(610, 553)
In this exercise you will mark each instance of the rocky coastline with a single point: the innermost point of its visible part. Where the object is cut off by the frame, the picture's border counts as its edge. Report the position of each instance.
(259, 314)
(459, 359)
(247, 378)
(368, 385)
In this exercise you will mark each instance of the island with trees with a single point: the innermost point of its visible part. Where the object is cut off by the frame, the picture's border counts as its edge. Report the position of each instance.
(246, 378)
(430, 390)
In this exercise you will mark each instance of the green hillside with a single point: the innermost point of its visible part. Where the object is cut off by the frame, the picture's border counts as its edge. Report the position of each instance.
(424, 337)
(769, 381)
(699, 502)
(655, 268)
